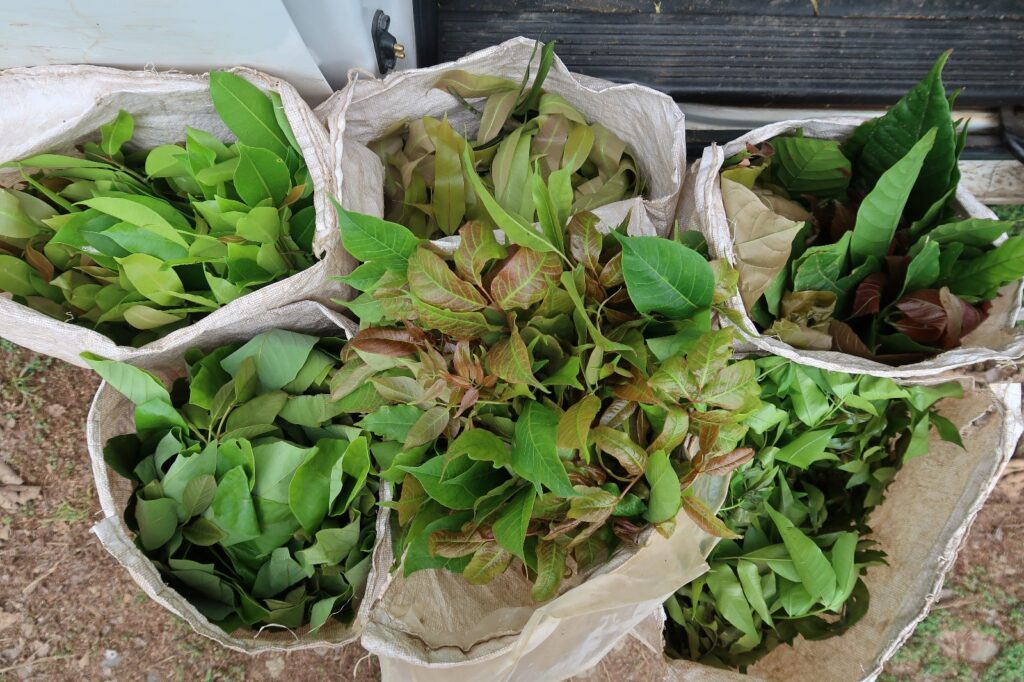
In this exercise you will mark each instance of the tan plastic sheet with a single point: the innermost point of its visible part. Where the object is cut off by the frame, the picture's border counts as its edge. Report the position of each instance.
(111, 415)
(921, 525)
(994, 343)
(53, 108)
(649, 122)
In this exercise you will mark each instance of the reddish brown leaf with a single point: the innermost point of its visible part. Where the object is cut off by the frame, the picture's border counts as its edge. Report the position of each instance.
(619, 445)
(637, 390)
(924, 319)
(386, 341)
(845, 340)
(477, 247)
(729, 462)
(433, 282)
(585, 241)
(962, 317)
(706, 519)
(611, 273)
(39, 262)
(510, 360)
(523, 279)
(868, 299)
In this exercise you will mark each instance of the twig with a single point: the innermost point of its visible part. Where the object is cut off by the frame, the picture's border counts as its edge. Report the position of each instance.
(28, 589)
(28, 664)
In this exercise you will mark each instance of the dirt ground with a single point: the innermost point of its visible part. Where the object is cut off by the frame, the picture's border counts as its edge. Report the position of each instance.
(69, 612)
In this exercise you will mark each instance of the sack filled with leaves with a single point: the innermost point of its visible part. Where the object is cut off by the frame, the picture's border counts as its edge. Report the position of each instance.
(249, 492)
(843, 528)
(542, 405)
(167, 202)
(855, 245)
(621, 148)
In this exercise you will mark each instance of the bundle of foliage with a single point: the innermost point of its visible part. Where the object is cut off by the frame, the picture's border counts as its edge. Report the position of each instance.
(254, 495)
(856, 247)
(542, 401)
(522, 133)
(136, 244)
(827, 446)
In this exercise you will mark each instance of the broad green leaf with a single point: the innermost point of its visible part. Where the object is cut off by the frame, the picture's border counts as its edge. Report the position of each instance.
(14, 222)
(880, 212)
(457, 485)
(815, 571)
(391, 421)
(138, 385)
(233, 510)
(115, 134)
(591, 504)
(666, 495)
(807, 448)
(663, 276)
(16, 276)
(261, 175)
(247, 112)
(805, 165)
(479, 445)
(331, 546)
(466, 84)
(534, 454)
(278, 354)
(550, 570)
(495, 113)
(923, 270)
(137, 211)
(763, 239)
(371, 239)
(428, 427)
(277, 574)
(157, 521)
(730, 601)
(511, 525)
(152, 278)
(890, 137)
(310, 488)
(261, 224)
(843, 563)
(621, 447)
(752, 590)
(984, 275)
(487, 563)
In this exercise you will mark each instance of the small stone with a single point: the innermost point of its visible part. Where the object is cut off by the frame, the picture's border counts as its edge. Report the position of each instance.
(55, 410)
(111, 659)
(979, 648)
(275, 666)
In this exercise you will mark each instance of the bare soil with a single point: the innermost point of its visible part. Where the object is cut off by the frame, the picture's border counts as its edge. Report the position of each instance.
(69, 612)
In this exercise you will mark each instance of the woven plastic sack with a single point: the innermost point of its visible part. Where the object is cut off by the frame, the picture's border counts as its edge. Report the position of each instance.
(648, 122)
(111, 415)
(927, 513)
(994, 342)
(53, 108)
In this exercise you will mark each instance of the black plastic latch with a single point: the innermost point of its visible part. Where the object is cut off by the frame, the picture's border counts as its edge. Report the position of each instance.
(388, 49)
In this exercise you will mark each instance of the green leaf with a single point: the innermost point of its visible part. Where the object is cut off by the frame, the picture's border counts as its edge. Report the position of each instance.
(730, 601)
(152, 278)
(459, 325)
(807, 448)
(550, 570)
(971, 232)
(428, 427)
(449, 196)
(574, 424)
(663, 276)
(138, 385)
(620, 446)
(890, 137)
(261, 175)
(815, 571)
(516, 230)
(805, 165)
(752, 590)
(138, 211)
(331, 546)
(947, 430)
(232, 509)
(534, 454)
(279, 355)
(157, 521)
(14, 222)
(391, 422)
(17, 276)
(261, 225)
(479, 445)
(277, 574)
(843, 563)
(984, 275)
(371, 239)
(666, 495)
(591, 504)
(923, 270)
(310, 488)
(247, 112)
(115, 134)
(880, 212)
(510, 360)
(511, 525)
(459, 488)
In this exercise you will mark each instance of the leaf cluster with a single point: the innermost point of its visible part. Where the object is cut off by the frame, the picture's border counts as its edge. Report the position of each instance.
(855, 247)
(522, 133)
(827, 444)
(138, 243)
(544, 393)
(253, 492)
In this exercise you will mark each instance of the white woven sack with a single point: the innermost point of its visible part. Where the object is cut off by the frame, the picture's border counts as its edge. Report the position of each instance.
(53, 108)
(648, 122)
(993, 342)
(111, 415)
(921, 525)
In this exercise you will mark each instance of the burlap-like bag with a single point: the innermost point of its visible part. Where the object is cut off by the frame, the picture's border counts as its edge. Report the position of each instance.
(924, 519)
(111, 415)
(53, 108)
(994, 342)
(648, 122)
